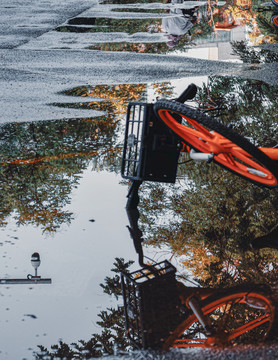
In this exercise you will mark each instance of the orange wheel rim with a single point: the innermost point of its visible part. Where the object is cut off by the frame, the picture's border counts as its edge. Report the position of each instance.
(225, 151)
(224, 339)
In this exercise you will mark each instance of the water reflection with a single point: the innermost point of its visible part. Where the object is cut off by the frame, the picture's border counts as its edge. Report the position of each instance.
(113, 339)
(207, 220)
(213, 215)
(41, 163)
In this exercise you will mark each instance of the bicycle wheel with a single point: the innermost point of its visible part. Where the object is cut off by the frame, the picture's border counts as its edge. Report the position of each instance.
(275, 2)
(231, 151)
(237, 316)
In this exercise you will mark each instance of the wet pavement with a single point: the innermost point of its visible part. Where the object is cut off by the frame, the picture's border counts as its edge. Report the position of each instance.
(68, 71)
(31, 53)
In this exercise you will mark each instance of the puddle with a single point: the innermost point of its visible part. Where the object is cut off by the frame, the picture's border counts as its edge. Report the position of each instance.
(65, 199)
(63, 195)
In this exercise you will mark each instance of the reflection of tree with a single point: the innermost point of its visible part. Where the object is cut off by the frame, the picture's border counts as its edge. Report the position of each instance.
(41, 164)
(118, 96)
(42, 161)
(111, 321)
(212, 223)
(211, 219)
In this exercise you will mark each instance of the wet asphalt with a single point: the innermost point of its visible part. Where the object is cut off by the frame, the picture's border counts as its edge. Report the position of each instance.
(248, 352)
(31, 76)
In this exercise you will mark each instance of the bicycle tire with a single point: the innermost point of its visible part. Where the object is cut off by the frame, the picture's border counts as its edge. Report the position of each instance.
(205, 134)
(275, 2)
(238, 296)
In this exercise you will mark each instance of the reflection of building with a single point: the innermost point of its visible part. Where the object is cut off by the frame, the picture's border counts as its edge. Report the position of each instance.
(226, 28)
(218, 44)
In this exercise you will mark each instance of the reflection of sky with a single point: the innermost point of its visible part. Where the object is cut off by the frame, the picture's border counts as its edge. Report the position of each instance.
(76, 258)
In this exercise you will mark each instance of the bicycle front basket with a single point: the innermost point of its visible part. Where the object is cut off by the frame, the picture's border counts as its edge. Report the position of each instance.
(150, 147)
(151, 304)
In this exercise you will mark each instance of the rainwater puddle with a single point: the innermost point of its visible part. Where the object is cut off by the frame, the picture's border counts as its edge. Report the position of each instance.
(65, 199)
(63, 196)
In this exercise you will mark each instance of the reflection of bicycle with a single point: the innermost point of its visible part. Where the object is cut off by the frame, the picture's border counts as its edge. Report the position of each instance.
(151, 150)
(162, 313)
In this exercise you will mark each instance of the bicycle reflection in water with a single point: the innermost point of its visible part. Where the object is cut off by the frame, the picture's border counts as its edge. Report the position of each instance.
(162, 312)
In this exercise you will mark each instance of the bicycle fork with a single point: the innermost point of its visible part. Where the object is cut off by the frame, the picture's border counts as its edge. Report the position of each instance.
(194, 305)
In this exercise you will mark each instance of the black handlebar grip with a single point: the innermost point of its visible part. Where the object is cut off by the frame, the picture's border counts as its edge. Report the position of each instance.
(188, 94)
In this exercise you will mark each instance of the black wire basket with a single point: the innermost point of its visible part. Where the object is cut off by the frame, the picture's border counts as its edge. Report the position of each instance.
(151, 149)
(151, 304)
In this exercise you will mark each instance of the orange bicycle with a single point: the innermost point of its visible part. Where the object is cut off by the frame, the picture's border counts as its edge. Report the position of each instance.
(151, 149)
(218, 143)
